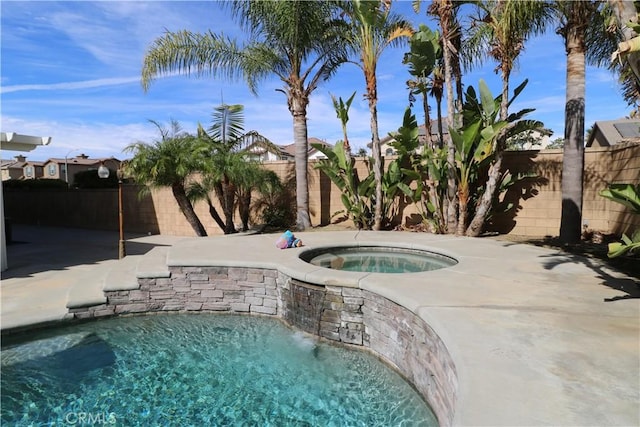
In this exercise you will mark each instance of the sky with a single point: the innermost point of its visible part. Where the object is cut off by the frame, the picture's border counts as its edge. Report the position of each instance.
(71, 70)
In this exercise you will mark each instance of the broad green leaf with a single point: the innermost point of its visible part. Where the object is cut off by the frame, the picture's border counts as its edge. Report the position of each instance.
(517, 91)
(470, 136)
(627, 195)
(486, 98)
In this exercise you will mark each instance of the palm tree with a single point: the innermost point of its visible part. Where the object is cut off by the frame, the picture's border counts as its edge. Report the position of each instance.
(227, 171)
(374, 28)
(297, 41)
(422, 59)
(626, 16)
(169, 162)
(500, 31)
(445, 11)
(586, 40)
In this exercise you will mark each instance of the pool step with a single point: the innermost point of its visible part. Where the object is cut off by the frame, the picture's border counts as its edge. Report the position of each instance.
(154, 263)
(86, 291)
(117, 275)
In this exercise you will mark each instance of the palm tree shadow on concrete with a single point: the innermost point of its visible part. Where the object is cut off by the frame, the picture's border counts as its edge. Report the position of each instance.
(629, 285)
(621, 274)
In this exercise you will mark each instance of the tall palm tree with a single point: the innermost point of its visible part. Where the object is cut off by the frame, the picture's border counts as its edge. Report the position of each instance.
(422, 59)
(500, 31)
(169, 162)
(582, 26)
(445, 11)
(374, 28)
(297, 41)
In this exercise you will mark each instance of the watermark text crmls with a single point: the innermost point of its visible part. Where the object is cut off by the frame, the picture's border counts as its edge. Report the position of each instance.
(90, 418)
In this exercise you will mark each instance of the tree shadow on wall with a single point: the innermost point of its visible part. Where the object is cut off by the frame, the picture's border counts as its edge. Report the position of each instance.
(527, 176)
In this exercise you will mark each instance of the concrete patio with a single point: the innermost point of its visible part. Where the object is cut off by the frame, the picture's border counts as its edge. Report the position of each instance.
(538, 337)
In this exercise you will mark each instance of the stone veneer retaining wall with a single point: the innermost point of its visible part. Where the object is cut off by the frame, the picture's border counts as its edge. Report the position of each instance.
(349, 315)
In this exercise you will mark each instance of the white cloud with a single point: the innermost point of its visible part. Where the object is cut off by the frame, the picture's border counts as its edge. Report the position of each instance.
(87, 84)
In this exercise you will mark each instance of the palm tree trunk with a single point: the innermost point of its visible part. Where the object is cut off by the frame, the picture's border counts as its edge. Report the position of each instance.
(186, 208)
(428, 142)
(463, 199)
(244, 203)
(372, 96)
(298, 108)
(440, 130)
(573, 158)
(445, 15)
(215, 215)
(229, 196)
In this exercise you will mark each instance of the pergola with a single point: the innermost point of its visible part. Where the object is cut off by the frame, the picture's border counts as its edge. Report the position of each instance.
(15, 142)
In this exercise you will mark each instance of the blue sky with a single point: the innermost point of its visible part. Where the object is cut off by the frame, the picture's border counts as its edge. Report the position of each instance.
(71, 70)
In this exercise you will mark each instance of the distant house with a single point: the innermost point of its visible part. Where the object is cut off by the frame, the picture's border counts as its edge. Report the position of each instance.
(33, 170)
(385, 143)
(534, 139)
(13, 169)
(262, 149)
(287, 152)
(612, 132)
(66, 168)
(312, 153)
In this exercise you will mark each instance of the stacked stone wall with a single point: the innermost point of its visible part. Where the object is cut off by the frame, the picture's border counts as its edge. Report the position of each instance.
(348, 315)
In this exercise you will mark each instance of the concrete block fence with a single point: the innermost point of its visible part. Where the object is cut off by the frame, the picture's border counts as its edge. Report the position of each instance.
(538, 200)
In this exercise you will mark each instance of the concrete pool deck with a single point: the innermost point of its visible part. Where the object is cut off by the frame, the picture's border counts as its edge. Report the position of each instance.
(538, 337)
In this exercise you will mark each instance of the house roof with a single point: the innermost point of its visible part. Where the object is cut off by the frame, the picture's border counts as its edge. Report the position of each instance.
(80, 160)
(258, 144)
(611, 132)
(33, 163)
(422, 131)
(291, 148)
(12, 164)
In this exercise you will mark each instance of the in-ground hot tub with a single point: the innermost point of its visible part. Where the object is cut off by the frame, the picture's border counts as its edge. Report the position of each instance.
(377, 259)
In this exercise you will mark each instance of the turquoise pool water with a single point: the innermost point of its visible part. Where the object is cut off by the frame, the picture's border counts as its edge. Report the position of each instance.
(377, 259)
(198, 370)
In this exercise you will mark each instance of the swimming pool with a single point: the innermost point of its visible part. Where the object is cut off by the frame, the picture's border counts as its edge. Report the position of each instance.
(199, 370)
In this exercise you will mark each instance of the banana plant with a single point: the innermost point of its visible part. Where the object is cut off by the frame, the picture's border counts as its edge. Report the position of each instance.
(424, 174)
(627, 195)
(356, 194)
(476, 145)
(342, 112)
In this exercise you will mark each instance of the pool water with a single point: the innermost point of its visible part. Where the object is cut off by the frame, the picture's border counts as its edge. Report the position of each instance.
(175, 370)
(378, 259)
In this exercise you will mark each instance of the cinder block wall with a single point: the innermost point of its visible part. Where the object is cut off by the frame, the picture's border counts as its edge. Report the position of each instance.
(537, 198)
